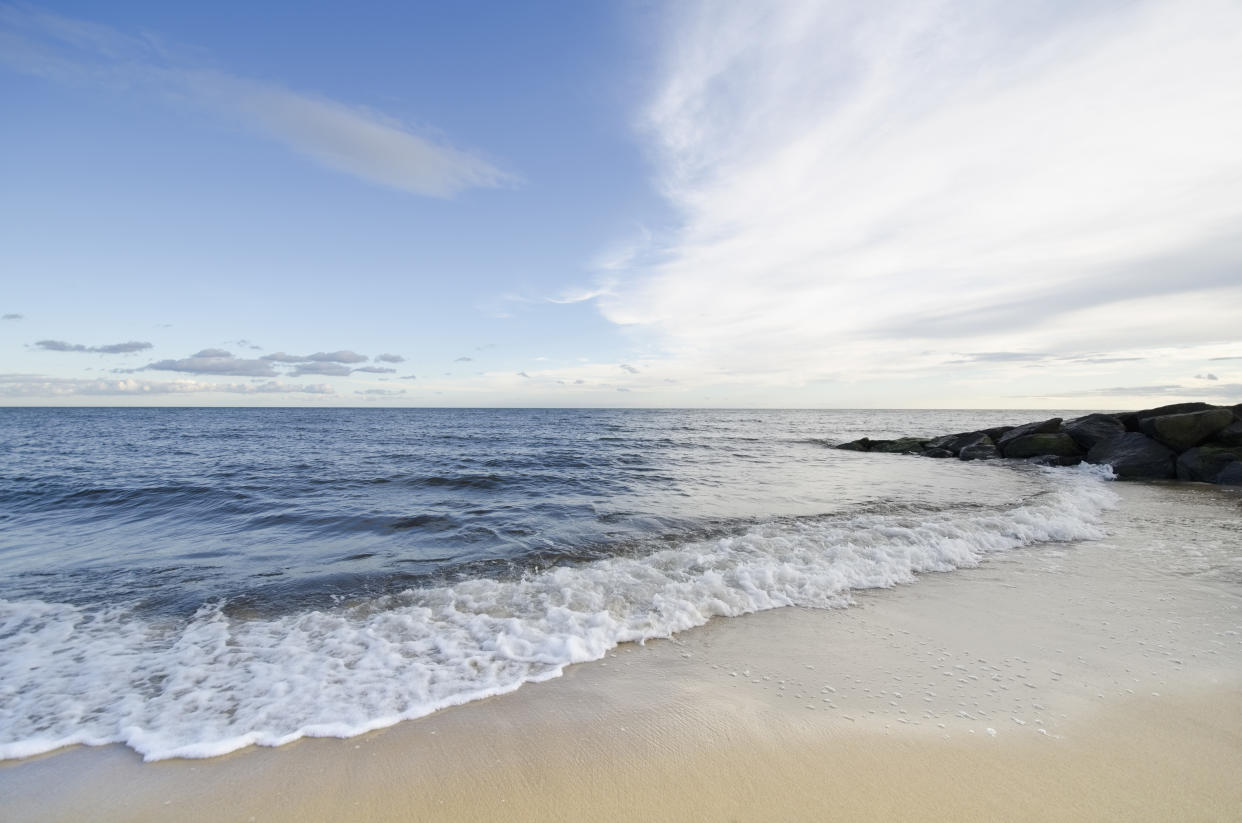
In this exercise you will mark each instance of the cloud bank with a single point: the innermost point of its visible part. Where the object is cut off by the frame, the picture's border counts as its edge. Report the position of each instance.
(866, 189)
(37, 385)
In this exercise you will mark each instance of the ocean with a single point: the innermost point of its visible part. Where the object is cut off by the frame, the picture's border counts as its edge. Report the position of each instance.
(188, 582)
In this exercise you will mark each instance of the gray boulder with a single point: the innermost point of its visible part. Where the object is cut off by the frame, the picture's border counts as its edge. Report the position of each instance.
(1231, 435)
(1091, 429)
(863, 444)
(902, 445)
(1133, 420)
(938, 453)
(1055, 460)
(1040, 444)
(980, 451)
(956, 442)
(1183, 431)
(1045, 427)
(1206, 463)
(996, 432)
(1231, 475)
(1134, 456)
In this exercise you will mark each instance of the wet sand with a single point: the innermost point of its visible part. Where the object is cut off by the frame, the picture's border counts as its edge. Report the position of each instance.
(1082, 681)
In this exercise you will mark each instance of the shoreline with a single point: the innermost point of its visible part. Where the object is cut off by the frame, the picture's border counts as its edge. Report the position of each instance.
(1126, 676)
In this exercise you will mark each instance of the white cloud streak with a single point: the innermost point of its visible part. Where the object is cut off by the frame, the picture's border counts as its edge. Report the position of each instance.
(38, 385)
(865, 188)
(350, 139)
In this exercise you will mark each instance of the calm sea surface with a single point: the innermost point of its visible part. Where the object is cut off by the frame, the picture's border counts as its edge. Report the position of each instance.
(190, 581)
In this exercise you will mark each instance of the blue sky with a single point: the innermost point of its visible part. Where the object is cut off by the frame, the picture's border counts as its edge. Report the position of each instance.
(591, 204)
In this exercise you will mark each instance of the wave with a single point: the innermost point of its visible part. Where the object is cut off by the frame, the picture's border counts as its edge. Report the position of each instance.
(220, 682)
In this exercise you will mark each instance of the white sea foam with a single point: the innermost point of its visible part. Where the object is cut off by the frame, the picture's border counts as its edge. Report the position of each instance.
(219, 683)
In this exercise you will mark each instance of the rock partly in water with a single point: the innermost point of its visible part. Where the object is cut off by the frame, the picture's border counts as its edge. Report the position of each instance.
(1134, 456)
(1183, 431)
(1043, 427)
(1034, 445)
(1206, 463)
(1091, 429)
(956, 442)
(942, 453)
(860, 445)
(981, 451)
(902, 445)
(1055, 460)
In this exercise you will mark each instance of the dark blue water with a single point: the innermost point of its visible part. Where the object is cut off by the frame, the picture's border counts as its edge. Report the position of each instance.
(324, 571)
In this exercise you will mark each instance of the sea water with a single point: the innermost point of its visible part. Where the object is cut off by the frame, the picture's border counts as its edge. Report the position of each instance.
(192, 581)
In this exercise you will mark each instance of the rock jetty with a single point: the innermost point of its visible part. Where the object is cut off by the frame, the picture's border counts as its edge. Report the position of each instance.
(1187, 441)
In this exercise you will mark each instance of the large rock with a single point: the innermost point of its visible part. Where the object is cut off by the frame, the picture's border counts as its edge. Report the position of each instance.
(996, 432)
(941, 453)
(1206, 463)
(1044, 427)
(1231, 435)
(863, 444)
(956, 442)
(1183, 431)
(1231, 475)
(980, 451)
(1133, 420)
(1037, 445)
(902, 445)
(1055, 460)
(1134, 456)
(1091, 429)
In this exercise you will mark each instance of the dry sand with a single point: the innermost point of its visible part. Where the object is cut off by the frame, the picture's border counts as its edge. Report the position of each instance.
(1085, 681)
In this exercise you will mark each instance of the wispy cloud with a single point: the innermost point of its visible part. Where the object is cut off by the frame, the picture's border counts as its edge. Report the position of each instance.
(12, 316)
(581, 295)
(381, 392)
(865, 188)
(389, 358)
(352, 139)
(1227, 391)
(112, 348)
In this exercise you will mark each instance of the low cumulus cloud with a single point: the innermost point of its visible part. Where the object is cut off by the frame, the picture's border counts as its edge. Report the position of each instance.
(1208, 376)
(128, 347)
(389, 358)
(350, 139)
(329, 369)
(343, 356)
(12, 316)
(627, 367)
(217, 361)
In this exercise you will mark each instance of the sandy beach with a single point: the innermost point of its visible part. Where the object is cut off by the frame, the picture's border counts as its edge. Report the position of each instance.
(1082, 681)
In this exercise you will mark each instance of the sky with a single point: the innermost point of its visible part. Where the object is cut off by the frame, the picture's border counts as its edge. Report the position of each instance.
(777, 203)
